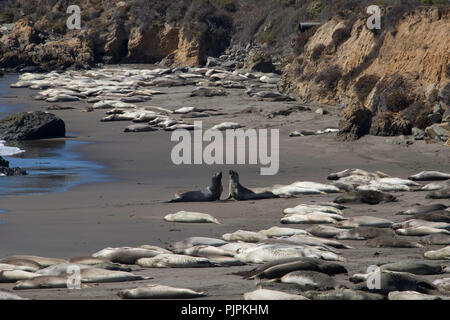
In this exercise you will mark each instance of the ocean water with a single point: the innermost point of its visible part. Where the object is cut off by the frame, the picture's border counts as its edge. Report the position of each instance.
(53, 165)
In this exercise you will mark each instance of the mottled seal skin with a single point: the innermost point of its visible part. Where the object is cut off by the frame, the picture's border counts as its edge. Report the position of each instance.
(439, 194)
(343, 294)
(159, 292)
(388, 241)
(415, 267)
(424, 209)
(310, 280)
(436, 239)
(365, 196)
(211, 193)
(363, 233)
(239, 192)
(435, 216)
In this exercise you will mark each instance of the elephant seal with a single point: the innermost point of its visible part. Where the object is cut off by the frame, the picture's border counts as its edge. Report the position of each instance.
(195, 241)
(281, 232)
(411, 295)
(175, 261)
(9, 296)
(441, 254)
(433, 239)
(15, 275)
(359, 172)
(435, 216)
(300, 264)
(439, 194)
(363, 233)
(239, 192)
(20, 265)
(244, 235)
(365, 221)
(310, 280)
(415, 267)
(343, 294)
(423, 209)
(436, 186)
(96, 275)
(266, 294)
(365, 196)
(211, 193)
(442, 284)
(204, 251)
(391, 242)
(429, 176)
(156, 291)
(42, 282)
(42, 261)
(418, 223)
(400, 281)
(325, 231)
(125, 255)
(420, 231)
(192, 217)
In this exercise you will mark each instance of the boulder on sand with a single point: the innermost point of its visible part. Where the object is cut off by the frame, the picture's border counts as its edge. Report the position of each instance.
(5, 170)
(31, 125)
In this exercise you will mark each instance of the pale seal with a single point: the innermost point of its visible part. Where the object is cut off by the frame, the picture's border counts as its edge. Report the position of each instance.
(211, 193)
(343, 294)
(439, 239)
(188, 216)
(310, 280)
(411, 295)
(266, 294)
(156, 291)
(423, 209)
(365, 196)
(239, 192)
(441, 254)
(415, 267)
(430, 175)
(439, 194)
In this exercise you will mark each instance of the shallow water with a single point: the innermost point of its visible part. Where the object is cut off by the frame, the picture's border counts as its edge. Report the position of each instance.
(52, 165)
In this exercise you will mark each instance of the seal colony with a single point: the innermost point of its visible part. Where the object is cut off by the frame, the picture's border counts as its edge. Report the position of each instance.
(292, 263)
(309, 259)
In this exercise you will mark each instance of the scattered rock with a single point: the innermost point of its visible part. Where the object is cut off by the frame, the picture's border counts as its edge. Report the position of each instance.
(434, 118)
(5, 170)
(444, 94)
(438, 132)
(259, 61)
(418, 134)
(31, 125)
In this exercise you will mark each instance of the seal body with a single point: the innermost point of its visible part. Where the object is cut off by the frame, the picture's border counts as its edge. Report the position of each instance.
(211, 193)
(239, 192)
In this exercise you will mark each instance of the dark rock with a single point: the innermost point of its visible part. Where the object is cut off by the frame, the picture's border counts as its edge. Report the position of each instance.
(444, 94)
(434, 118)
(354, 123)
(229, 64)
(31, 125)
(438, 108)
(4, 163)
(389, 124)
(446, 115)
(12, 171)
(418, 134)
(259, 61)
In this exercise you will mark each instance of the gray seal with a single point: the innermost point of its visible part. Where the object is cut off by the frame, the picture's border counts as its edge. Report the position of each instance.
(400, 281)
(211, 193)
(437, 238)
(365, 196)
(424, 209)
(239, 192)
(439, 194)
(435, 216)
(388, 241)
(415, 267)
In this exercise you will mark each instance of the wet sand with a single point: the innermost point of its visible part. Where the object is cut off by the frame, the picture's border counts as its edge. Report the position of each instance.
(128, 210)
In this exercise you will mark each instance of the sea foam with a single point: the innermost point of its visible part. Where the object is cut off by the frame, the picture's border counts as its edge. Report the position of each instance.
(8, 151)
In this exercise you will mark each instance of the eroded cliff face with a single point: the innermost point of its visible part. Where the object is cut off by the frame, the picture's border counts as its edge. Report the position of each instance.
(412, 56)
(398, 73)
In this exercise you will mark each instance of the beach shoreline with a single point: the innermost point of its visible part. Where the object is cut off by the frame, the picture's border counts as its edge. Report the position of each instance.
(128, 210)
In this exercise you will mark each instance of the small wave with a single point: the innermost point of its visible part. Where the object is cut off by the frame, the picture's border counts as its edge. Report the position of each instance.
(8, 151)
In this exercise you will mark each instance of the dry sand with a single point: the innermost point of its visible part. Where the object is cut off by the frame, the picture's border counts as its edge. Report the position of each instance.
(128, 210)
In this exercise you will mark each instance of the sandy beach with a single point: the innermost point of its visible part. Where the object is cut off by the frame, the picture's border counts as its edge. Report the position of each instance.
(128, 210)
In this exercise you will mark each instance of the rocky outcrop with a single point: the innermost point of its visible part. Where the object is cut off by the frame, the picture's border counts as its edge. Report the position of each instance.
(438, 132)
(5, 170)
(25, 46)
(386, 71)
(354, 123)
(260, 61)
(31, 125)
